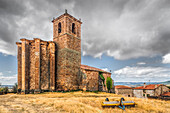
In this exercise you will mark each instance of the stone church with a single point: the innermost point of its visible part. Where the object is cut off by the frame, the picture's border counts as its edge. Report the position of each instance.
(56, 65)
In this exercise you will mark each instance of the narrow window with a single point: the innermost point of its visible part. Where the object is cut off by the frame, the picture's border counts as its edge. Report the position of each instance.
(59, 27)
(73, 28)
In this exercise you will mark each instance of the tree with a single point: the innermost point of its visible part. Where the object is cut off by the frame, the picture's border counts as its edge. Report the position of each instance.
(109, 83)
(15, 87)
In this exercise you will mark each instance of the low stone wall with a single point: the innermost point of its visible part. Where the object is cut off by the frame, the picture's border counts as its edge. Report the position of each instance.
(124, 92)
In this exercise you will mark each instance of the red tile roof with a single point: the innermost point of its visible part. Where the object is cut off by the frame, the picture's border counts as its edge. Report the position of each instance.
(166, 94)
(150, 86)
(92, 68)
(122, 87)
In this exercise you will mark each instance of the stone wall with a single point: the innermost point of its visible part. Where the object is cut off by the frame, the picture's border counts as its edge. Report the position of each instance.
(149, 93)
(144, 93)
(66, 21)
(160, 90)
(91, 80)
(138, 93)
(68, 66)
(36, 59)
(32, 66)
(19, 57)
(69, 51)
(124, 92)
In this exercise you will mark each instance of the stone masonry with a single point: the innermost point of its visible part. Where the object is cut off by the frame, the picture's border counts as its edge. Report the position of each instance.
(36, 62)
(56, 65)
(67, 30)
(91, 80)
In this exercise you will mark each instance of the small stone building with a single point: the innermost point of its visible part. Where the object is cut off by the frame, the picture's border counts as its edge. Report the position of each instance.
(91, 79)
(150, 90)
(124, 90)
(56, 65)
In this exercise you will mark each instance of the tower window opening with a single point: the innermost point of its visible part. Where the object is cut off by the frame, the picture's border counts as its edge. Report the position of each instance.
(59, 27)
(73, 28)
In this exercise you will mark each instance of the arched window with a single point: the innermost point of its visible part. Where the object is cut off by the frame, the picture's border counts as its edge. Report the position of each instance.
(59, 27)
(73, 28)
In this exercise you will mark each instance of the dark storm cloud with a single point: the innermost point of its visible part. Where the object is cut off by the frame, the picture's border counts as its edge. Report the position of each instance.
(11, 7)
(10, 12)
(123, 29)
(28, 19)
(137, 29)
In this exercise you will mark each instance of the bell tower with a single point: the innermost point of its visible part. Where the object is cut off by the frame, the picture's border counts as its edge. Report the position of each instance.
(67, 35)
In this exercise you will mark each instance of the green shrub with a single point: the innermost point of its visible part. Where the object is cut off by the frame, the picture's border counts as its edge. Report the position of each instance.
(4, 90)
(109, 83)
(102, 77)
(1, 89)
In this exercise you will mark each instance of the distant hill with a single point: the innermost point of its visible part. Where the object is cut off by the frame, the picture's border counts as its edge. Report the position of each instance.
(136, 84)
(166, 83)
(9, 86)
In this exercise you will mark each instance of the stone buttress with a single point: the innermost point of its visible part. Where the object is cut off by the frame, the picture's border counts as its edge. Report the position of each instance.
(36, 66)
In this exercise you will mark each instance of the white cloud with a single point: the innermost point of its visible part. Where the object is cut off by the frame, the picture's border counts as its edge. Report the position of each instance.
(1, 73)
(141, 63)
(8, 80)
(9, 71)
(166, 59)
(106, 69)
(142, 73)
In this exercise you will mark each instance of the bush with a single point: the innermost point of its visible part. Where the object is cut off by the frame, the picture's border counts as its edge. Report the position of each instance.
(5, 90)
(109, 83)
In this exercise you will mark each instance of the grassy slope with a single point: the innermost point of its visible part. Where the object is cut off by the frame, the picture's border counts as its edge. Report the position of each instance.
(75, 102)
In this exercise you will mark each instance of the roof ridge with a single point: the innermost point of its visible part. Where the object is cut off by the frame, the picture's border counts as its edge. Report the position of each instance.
(92, 68)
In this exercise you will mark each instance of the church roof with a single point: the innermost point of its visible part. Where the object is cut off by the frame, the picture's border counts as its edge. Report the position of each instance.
(150, 86)
(166, 94)
(86, 67)
(67, 15)
(122, 87)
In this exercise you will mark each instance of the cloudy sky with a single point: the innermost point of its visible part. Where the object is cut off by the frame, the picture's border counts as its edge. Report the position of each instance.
(129, 37)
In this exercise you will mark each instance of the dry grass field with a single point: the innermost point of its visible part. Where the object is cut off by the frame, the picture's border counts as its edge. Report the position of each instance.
(75, 102)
